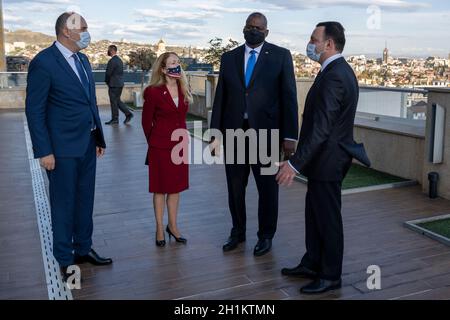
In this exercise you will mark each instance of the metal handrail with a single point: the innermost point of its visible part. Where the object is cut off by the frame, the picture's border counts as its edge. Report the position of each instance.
(406, 90)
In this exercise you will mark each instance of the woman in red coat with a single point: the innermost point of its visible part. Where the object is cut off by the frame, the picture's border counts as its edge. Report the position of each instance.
(164, 119)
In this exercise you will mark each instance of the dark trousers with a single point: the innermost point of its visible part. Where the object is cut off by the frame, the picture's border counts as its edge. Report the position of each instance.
(324, 231)
(72, 187)
(116, 103)
(237, 181)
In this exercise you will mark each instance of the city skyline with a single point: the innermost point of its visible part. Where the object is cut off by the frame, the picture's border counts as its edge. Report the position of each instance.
(411, 28)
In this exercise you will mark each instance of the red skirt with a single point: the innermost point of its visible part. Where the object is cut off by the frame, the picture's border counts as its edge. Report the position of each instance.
(165, 176)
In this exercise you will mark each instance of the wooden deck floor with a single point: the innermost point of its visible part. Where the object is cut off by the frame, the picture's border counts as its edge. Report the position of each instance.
(412, 266)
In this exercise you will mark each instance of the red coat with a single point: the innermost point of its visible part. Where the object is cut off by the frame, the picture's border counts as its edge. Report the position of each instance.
(160, 118)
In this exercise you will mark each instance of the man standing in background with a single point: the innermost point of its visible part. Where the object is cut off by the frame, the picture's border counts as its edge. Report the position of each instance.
(114, 80)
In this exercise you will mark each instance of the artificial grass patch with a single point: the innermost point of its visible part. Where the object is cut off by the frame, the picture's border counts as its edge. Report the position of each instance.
(359, 177)
(441, 227)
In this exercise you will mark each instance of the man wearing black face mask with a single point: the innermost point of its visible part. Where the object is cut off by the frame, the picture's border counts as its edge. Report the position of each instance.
(256, 90)
(114, 80)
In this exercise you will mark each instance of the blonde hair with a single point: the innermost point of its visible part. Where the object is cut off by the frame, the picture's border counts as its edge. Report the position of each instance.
(159, 78)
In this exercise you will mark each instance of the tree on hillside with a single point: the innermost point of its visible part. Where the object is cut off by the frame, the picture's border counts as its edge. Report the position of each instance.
(142, 59)
(216, 49)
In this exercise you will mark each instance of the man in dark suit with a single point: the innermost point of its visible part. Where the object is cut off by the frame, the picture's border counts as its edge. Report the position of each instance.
(324, 155)
(67, 136)
(114, 80)
(256, 90)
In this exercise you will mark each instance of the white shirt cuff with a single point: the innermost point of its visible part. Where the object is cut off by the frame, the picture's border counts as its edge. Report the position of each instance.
(290, 139)
(290, 165)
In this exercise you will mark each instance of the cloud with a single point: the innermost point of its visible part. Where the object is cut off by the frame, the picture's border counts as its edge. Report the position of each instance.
(198, 18)
(68, 2)
(140, 31)
(307, 4)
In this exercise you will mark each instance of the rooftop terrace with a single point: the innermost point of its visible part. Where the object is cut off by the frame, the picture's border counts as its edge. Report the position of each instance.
(412, 266)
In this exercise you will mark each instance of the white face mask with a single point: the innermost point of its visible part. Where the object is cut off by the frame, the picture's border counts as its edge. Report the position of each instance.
(311, 52)
(85, 40)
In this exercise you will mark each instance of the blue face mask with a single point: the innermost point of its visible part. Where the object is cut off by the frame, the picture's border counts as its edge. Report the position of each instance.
(85, 40)
(311, 52)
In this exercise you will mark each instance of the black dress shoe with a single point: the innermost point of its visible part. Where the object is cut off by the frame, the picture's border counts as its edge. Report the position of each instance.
(111, 122)
(128, 118)
(321, 286)
(64, 274)
(93, 258)
(299, 271)
(232, 243)
(262, 247)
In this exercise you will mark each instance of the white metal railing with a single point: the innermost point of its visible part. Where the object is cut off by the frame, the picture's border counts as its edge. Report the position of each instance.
(401, 103)
(383, 101)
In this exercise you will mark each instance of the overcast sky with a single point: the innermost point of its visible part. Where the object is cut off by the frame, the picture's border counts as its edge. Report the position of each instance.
(410, 27)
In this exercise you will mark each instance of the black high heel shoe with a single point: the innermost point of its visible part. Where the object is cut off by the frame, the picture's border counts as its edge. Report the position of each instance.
(180, 239)
(160, 243)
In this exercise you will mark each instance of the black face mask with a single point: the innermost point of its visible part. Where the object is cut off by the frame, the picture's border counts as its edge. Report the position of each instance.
(254, 37)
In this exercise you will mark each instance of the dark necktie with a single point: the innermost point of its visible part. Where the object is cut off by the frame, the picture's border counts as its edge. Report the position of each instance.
(84, 80)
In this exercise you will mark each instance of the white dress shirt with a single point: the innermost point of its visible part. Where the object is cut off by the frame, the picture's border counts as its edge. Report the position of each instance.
(68, 54)
(247, 56)
(330, 60)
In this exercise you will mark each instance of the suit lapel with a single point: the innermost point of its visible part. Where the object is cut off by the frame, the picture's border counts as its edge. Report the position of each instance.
(318, 79)
(240, 63)
(87, 68)
(263, 54)
(65, 65)
(166, 95)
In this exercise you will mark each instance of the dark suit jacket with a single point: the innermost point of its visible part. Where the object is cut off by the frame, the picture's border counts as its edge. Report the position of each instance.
(59, 112)
(326, 146)
(114, 73)
(160, 116)
(270, 99)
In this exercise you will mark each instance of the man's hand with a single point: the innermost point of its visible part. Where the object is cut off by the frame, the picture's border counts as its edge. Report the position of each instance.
(286, 175)
(48, 162)
(214, 147)
(288, 149)
(100, 152)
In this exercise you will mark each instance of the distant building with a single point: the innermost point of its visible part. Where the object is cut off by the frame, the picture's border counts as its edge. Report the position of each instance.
(418, 111)
(160, 47)
(9, 47)
(19, 45)
(385, 55)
